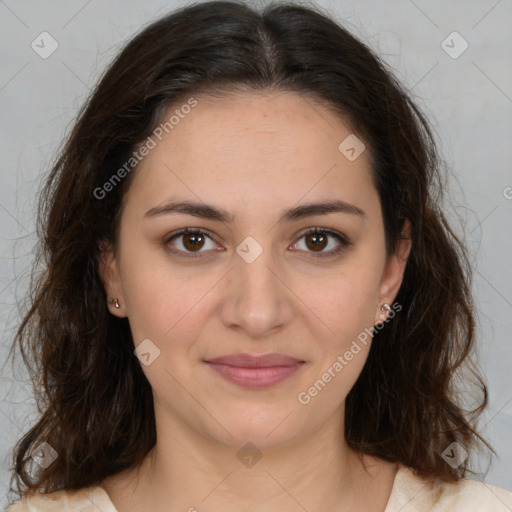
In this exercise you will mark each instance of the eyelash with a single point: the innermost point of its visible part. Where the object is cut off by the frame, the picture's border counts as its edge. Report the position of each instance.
(342, 239)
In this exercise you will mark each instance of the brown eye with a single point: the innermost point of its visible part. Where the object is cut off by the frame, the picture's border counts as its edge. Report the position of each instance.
(317, 239)
(193, 241)
(189, 242)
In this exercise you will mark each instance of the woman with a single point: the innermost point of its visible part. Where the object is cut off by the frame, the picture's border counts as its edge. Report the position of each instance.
(252, 299)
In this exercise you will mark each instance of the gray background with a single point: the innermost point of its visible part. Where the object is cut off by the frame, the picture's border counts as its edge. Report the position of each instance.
(468, 100)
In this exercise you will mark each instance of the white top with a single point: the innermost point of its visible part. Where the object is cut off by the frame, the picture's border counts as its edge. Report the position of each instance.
(410, 493)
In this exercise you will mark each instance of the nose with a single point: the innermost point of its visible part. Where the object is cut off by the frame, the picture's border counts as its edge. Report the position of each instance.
(258, 300)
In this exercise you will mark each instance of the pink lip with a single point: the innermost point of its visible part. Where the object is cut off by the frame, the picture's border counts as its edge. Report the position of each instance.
(255, 371)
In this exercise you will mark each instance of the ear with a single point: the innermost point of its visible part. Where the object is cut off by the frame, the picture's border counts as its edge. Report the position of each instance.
(394, 272)
(109, 274)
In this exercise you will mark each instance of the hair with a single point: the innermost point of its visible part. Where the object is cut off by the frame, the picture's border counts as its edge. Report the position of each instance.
(95, 403)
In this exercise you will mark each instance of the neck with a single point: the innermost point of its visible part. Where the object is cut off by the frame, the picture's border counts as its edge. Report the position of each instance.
(188, 471)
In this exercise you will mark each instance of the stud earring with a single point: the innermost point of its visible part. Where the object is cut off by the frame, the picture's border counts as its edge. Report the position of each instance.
(115, 301)
(385, 309)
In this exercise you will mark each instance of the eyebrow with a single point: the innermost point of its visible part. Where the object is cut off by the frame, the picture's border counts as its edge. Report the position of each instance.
(206, 211)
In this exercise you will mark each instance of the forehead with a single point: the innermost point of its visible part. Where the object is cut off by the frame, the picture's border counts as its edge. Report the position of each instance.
(257, 125)
(265, 146)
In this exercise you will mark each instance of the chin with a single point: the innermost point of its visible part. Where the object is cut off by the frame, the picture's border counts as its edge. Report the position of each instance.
(263, 426)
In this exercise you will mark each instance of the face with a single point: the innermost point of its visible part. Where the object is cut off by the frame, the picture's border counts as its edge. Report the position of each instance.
(260, 273)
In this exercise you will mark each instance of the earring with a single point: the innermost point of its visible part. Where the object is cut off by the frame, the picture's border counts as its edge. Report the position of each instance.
(385, 309)
(115, 302)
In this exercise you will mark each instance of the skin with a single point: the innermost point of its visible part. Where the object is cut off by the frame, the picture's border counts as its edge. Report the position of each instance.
(254, 155)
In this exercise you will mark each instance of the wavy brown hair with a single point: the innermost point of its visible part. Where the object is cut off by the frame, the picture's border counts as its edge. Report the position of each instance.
(95, 402)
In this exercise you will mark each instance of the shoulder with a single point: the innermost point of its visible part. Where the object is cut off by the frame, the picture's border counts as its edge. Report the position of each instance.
(412, 493)
(88, 499)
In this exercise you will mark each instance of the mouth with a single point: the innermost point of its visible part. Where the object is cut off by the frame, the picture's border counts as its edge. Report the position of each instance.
(255, 371)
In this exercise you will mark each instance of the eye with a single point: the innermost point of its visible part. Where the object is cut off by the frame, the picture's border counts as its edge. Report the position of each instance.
(317, 239)
(192, 240)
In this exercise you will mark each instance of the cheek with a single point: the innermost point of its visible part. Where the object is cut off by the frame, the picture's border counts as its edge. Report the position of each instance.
(344, 301)
(165, 303)
(346, 309)
(159, 305)
(149, 290)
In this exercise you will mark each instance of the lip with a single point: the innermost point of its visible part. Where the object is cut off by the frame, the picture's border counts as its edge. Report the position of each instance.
(255, 371)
